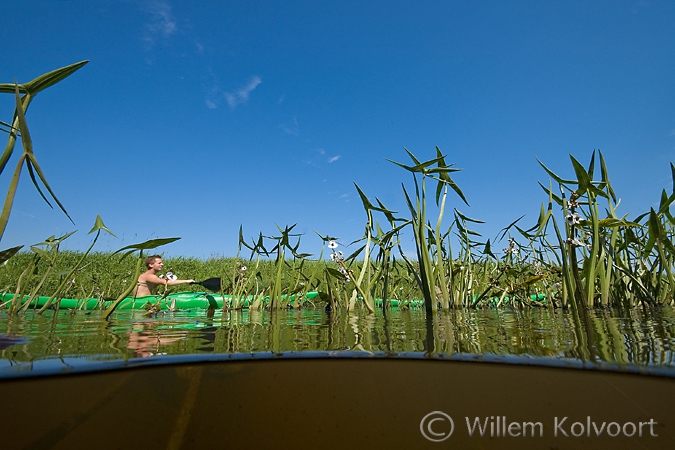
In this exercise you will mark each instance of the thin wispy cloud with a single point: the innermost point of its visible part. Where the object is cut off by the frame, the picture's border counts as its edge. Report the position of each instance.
(332, 159)
(241, 95)
(199, 46)
(214, 95)
(292, 129)
(162, 23)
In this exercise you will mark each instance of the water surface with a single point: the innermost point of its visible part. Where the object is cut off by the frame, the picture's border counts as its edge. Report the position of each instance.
(638, 339)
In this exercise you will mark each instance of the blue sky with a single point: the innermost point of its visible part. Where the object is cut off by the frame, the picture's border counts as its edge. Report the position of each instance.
(193, 118)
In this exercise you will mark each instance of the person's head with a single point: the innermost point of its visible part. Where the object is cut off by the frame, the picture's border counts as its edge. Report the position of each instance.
(154, 260)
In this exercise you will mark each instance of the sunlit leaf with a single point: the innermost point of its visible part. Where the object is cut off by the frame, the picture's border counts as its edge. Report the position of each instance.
(356, 253)
(147, 245)
(611, 222)
(35, 165)
(506, 229)
(468, 219)
(487, 249)
(44, 81)
(6, 254)
(591, 166)
(554, 176)
(99, 225)
(584, 180)
(534, 279)
(605, 177)
(39, 251)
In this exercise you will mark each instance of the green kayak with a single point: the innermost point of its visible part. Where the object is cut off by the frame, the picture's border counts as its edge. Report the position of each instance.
(178, 300)
(191, 300)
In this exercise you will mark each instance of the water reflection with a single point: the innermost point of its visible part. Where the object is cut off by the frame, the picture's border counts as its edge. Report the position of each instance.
(639, 337)
(148, 341)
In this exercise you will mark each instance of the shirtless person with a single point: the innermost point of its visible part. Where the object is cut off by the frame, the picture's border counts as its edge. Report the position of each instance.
(148, 281)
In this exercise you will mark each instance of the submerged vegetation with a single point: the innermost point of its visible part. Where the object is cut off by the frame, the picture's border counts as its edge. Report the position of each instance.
(580, 253)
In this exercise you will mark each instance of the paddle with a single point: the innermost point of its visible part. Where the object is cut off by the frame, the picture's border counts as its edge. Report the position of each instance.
(212, 284)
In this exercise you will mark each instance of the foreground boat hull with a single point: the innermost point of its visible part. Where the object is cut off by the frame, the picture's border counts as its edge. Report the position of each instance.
(339, 403)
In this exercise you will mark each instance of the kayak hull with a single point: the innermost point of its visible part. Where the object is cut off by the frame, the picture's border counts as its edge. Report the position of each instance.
(174, 301)
(339, 403)
(179, 301)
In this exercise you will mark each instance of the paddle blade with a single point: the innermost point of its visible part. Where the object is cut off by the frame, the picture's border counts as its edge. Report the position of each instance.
(212, 284)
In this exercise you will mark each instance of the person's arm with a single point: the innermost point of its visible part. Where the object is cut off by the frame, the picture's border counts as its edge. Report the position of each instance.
(173, 282)
(157, 280)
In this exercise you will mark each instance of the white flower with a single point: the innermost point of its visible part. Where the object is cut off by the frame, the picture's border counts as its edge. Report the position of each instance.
(574, 242)
(573, 219)
(332, 244)
(511, 250)
(333, 256)
(243, 268)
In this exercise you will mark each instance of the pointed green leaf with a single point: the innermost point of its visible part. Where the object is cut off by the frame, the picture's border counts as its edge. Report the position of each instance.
(591, 166)
(611, 222)
(325, 238)
(34, 163)
(415, 160)
(487, 250)
(99, 225)
(44, 81)
(552, 196)
(31, 174)
(355, 254)
(147, 245)
(366, 203)
(605, 177)
(468, 219)
(583, 179)
(39, 251)
(506, 229)
(6, 254)
(554, 176)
